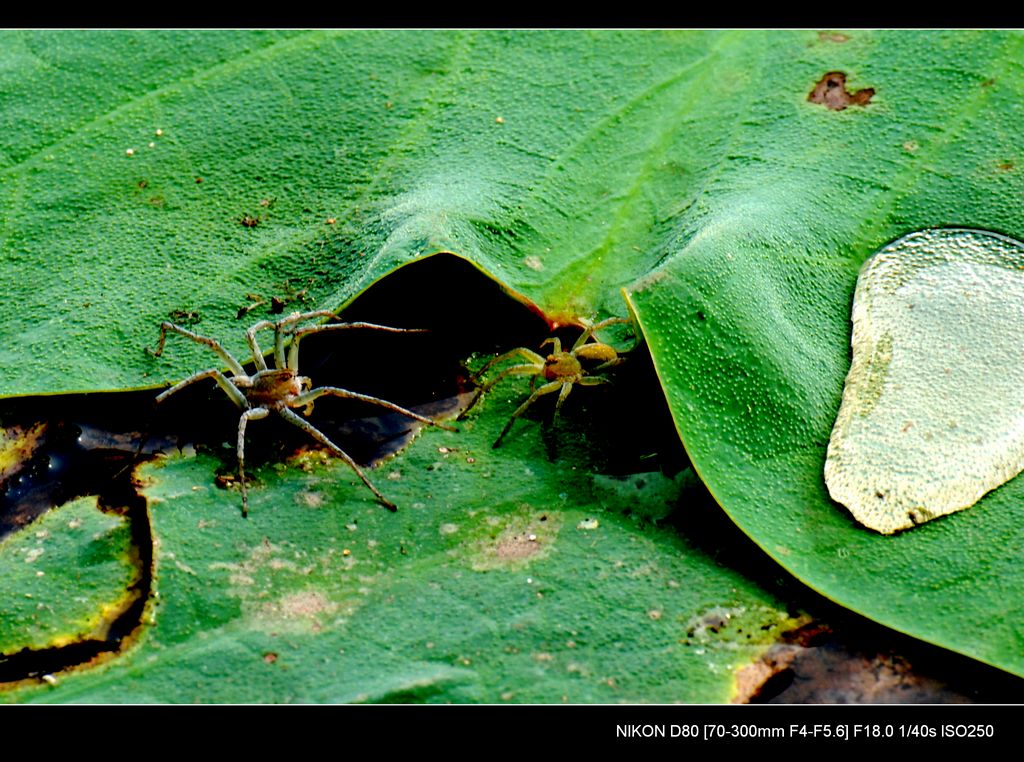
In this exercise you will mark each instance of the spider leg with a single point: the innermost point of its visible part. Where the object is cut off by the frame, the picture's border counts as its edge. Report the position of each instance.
(554, 386)
(279, 336)
(308, 397)
(611, 321)
(556, 344)
(566, 388)
(299, 317)
(249, 415)
(232, 363)
(515, 370)
(285, 327)
(320, 437)
(610, 364)
(293, 350)
(523, 352)
(257, 353)
(222, 381)
(592, 329)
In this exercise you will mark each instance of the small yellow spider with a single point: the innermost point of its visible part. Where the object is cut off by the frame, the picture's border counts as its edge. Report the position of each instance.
(278, 389)
(560, 369)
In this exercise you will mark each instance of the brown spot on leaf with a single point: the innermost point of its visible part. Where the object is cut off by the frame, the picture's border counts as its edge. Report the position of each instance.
(520, 540)
(311, 499)
(304, 604)
(516, 546)
(832, 37)
(249, 221)
(830, 91)
(1005, 166)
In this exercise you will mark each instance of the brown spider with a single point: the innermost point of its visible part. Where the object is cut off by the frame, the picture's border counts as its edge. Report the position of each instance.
(278, 389)
(560, 369)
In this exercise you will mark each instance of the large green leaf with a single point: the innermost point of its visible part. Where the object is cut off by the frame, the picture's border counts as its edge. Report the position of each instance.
(503, 577)
(749, 319)
(553, 160)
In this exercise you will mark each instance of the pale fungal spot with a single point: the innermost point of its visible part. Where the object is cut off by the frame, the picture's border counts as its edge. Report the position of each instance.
(130, 152)
(152, 144)
(588, 524)
(499, 120)
(932, 416)
(910, 145)
(311, 499)
(49, 679)
(159, 132)
(534, 263)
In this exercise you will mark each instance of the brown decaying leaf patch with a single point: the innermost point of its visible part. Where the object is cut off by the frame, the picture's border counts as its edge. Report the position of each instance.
(826, 668)
(752, 678)
(830, 91)
(522, 538)
(306, 604)
(515, 546)
(832, 37)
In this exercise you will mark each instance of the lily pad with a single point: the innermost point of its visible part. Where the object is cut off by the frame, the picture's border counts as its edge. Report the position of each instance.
(502, 578)
(64, 579)
(304, 166)
(749, 320)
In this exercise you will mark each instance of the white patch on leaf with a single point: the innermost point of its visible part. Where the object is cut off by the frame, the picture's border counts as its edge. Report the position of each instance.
(932, 416)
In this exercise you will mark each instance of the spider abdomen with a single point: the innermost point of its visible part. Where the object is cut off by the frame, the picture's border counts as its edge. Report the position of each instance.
(596, 352)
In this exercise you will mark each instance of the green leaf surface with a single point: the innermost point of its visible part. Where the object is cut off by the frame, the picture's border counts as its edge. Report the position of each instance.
(551, 159)
(64, 578)
(502, 578)
(689, 167)
(749, 320)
